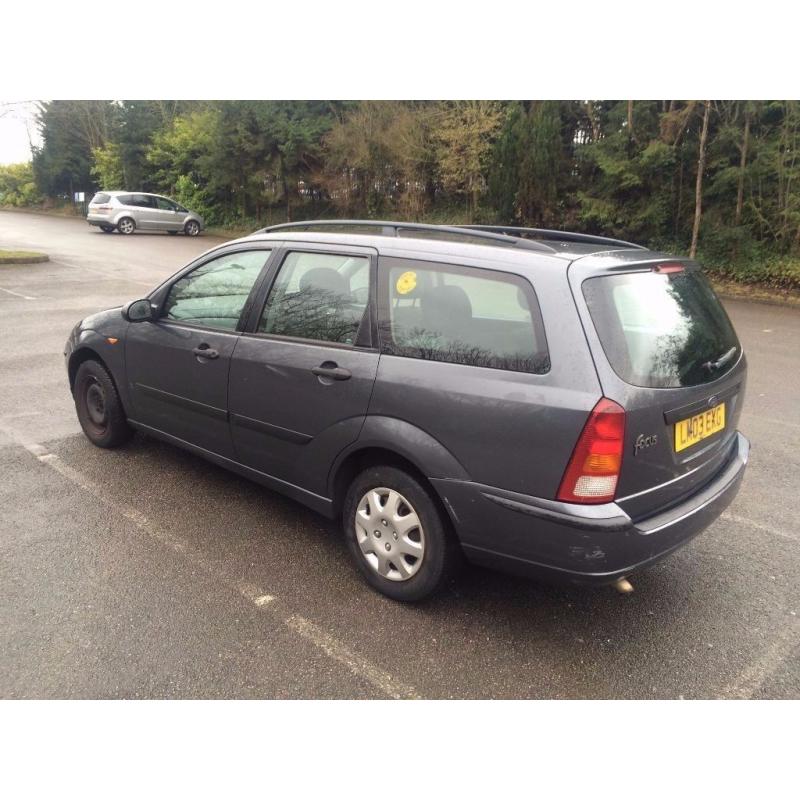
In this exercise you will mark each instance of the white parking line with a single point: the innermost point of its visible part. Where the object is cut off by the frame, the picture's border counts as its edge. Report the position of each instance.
(104, 273)
(17, 294)
(328, 644)
(254, 594)
(756, 674)
(759, 526)
(360, 668)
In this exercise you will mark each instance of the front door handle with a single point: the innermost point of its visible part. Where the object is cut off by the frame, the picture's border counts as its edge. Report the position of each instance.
(330, 369)
(204, 351)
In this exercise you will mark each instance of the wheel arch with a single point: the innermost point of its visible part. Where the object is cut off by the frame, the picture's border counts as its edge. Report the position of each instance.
(395, 443)
(78, 357)
(87, 352)
(125, 215)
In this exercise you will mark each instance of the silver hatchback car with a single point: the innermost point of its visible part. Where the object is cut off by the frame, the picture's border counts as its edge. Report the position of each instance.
(129, 211)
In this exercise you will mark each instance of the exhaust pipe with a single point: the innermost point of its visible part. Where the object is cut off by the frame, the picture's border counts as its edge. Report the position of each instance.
(623, 586)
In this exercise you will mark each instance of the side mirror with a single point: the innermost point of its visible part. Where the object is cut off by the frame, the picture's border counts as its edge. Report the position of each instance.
(138, 311)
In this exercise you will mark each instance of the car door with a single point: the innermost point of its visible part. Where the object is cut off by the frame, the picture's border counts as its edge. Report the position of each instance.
(177, 365)
(303, 370)
(181, 213)
(145, 213)
(167, 216)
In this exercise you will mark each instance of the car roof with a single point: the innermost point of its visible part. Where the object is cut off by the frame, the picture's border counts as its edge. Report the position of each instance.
(502, 258)
(118, 192)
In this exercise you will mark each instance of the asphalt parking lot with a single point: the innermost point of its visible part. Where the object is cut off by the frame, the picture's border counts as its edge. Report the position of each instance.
(148, 573)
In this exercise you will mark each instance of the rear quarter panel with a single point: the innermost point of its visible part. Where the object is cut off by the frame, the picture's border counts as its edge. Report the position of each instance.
(507, 429)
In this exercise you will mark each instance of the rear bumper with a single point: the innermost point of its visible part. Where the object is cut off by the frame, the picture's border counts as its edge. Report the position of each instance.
(582, 544)
(96, 219)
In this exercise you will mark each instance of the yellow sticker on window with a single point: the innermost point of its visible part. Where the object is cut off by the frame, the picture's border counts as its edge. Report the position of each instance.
(406, 283)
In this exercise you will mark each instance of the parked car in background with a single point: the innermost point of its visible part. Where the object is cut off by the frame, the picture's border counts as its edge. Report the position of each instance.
(127, 212)
(546, 403)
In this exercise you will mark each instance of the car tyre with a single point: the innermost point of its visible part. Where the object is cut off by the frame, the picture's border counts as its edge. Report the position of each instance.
(99, 408)
(377, 545)
(126, 226)
(172, 233)
(107, 228)
(191, 228)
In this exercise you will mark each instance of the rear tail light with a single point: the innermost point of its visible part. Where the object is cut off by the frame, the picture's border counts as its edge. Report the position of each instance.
(593, 470)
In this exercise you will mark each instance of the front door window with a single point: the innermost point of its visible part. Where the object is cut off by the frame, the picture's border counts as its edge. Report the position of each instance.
(214, 294)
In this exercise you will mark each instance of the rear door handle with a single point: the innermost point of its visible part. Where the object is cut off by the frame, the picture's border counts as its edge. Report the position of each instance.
(330, 369)
(204, 351)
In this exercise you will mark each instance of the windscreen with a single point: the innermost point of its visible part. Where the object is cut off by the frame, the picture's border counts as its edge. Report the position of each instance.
(662, 329)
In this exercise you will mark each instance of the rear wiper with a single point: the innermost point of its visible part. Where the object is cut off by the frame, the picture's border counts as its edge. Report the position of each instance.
(721, 361)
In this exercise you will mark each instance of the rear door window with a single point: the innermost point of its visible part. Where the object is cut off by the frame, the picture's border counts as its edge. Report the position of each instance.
(140, 200)
(461, 315)
(318, 296)
(662, 329)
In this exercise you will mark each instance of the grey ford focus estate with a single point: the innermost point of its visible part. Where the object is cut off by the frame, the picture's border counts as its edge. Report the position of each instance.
(553, 404)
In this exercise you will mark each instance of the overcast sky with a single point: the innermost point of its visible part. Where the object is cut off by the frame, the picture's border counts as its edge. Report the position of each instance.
(17, 119)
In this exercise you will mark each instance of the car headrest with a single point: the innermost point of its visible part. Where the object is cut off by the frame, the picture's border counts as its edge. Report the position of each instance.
(446, 309)
(325, 279)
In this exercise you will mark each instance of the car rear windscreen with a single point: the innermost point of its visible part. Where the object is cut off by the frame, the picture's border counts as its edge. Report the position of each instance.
(662, 328)
(100, 198)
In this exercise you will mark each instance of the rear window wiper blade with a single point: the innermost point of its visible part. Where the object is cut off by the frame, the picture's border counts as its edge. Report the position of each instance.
(721, 361)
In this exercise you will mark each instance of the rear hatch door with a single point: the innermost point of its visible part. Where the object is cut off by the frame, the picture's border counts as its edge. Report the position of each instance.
(665, 350)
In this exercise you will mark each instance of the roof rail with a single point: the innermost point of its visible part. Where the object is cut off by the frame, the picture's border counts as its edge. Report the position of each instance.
(553, 236)
(383, 228)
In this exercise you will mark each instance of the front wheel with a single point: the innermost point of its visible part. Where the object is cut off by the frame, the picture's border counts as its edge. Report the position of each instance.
(126, 225)
(98, 405)
(191, 228)
(396, 534)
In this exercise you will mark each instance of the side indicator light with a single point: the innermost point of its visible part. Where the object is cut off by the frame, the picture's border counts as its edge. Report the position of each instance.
(111, 339)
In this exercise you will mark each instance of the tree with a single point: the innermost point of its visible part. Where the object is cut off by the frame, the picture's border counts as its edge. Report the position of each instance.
(70, 130)
(107, 169)
(465, 131)
(701, 165)
(18, 186)
(504, 169)
(541, 160)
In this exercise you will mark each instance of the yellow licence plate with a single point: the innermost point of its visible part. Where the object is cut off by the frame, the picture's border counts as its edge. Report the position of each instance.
(700, 426)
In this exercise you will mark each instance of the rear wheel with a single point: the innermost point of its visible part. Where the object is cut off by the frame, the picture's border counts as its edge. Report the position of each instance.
(396, 534)
(126, 225)
(172, 233)
(99, 408)
(191, 228)
(107, 228)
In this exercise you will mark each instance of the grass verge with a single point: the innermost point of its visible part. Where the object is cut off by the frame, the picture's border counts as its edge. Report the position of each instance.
(734, 290)
(22, 257)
